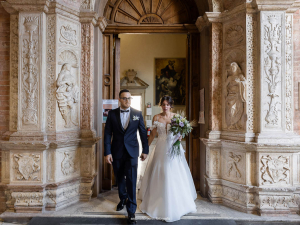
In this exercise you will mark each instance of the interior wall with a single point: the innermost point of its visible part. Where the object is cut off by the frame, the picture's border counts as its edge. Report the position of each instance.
(204, 83)
(138, 52)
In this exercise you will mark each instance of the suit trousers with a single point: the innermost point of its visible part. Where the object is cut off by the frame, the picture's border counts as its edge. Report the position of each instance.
(125, 170)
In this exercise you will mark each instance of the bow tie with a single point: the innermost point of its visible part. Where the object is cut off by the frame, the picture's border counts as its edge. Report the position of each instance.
(122, 111)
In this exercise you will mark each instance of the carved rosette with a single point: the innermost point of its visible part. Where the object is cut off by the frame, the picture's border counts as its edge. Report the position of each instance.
(272, 62)
(215, 80)
(87, 75)
(28, 198)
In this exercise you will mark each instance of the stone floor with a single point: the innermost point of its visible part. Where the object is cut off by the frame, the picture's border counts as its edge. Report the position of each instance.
(105, 204)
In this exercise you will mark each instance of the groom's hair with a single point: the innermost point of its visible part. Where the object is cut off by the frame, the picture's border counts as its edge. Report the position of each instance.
(122, 91)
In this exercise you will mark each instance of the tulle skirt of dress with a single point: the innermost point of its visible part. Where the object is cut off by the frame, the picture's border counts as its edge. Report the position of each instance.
(167, 189)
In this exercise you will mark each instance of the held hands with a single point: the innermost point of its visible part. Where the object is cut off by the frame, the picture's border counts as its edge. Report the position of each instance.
(143, 156)
(109, 159)
(180, 138)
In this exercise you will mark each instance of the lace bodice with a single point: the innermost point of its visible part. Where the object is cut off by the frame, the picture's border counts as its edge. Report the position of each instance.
(162, 129)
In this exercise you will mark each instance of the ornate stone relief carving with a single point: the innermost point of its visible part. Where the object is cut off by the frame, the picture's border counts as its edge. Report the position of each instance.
(251, 43)
(87, 64)
(68, 35)
(51, 84)
(28, 198)
(30, 72)
(215, 190)
(274, 202)
(69, 163)
(289, 73)
(14, 62)
(67, 95)
(234, 35)
(215, 160)
(26, 167)
(87, 4)
(235, 97)
(271, 55)
(86, 160)
(274, 169)
(232, 166)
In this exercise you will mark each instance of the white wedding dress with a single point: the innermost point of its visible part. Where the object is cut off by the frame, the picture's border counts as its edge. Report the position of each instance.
(167, 189)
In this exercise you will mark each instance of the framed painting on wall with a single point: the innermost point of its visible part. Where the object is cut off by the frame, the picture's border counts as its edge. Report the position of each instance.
(170, 79)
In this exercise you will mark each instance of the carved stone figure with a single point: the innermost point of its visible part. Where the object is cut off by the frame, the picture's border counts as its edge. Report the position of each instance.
(235, 97)
(67, 95)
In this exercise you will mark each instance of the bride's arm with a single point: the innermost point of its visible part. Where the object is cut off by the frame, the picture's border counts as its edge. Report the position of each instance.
(152, 133)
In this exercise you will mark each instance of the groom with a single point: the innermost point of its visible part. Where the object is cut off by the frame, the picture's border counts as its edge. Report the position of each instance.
(121, 149)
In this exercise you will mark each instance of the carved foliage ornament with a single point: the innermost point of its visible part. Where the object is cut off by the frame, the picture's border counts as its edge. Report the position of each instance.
(69, 164)
(30, 72)
(272, 66)
(274, 169)
(27, 166)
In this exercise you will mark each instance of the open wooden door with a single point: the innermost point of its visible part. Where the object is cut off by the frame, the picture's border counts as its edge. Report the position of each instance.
(193, 105)
(111, 89)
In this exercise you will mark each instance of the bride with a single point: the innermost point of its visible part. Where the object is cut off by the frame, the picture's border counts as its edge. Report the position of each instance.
(167, 188)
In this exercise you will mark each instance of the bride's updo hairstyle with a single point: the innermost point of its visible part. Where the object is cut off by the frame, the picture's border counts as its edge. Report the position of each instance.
(168, 99)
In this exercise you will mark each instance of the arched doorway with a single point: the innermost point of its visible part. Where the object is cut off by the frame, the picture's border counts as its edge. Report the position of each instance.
(157, 16)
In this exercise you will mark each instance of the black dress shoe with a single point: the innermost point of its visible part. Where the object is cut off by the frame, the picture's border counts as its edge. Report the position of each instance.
(131, 219)
(121, 204)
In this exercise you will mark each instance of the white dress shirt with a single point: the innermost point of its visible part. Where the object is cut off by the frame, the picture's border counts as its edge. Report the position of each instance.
(125, 117)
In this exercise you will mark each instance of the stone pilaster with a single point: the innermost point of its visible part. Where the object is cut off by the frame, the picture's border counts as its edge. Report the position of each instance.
(49, 154)
(253, 165)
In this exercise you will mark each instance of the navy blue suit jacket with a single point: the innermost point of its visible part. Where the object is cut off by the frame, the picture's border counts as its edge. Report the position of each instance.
(120, 137)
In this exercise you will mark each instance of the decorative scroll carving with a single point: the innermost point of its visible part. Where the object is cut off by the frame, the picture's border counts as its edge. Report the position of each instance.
(251, 35)
(272, 66)
(232, 166)
(14, 62)
(274, 170)
(67, 95)
(234, 35)
(236, 96)
(289, 73)
(51, 42)
(215, 160)
(30, 72)
(68, 35)
(27, 166)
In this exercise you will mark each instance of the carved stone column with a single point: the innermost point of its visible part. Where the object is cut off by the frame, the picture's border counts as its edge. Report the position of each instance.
(49, 154)
(253, 165)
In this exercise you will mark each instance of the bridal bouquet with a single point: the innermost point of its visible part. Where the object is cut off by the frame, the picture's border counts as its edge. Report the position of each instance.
(180, 126)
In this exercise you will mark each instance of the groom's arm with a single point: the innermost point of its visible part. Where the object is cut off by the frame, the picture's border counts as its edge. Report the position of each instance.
(107, 135)
(143, 135)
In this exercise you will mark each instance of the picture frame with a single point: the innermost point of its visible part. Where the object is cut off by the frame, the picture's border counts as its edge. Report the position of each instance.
(170, 79)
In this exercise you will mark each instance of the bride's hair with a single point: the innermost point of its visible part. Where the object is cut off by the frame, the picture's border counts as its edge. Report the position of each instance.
(168, 99)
